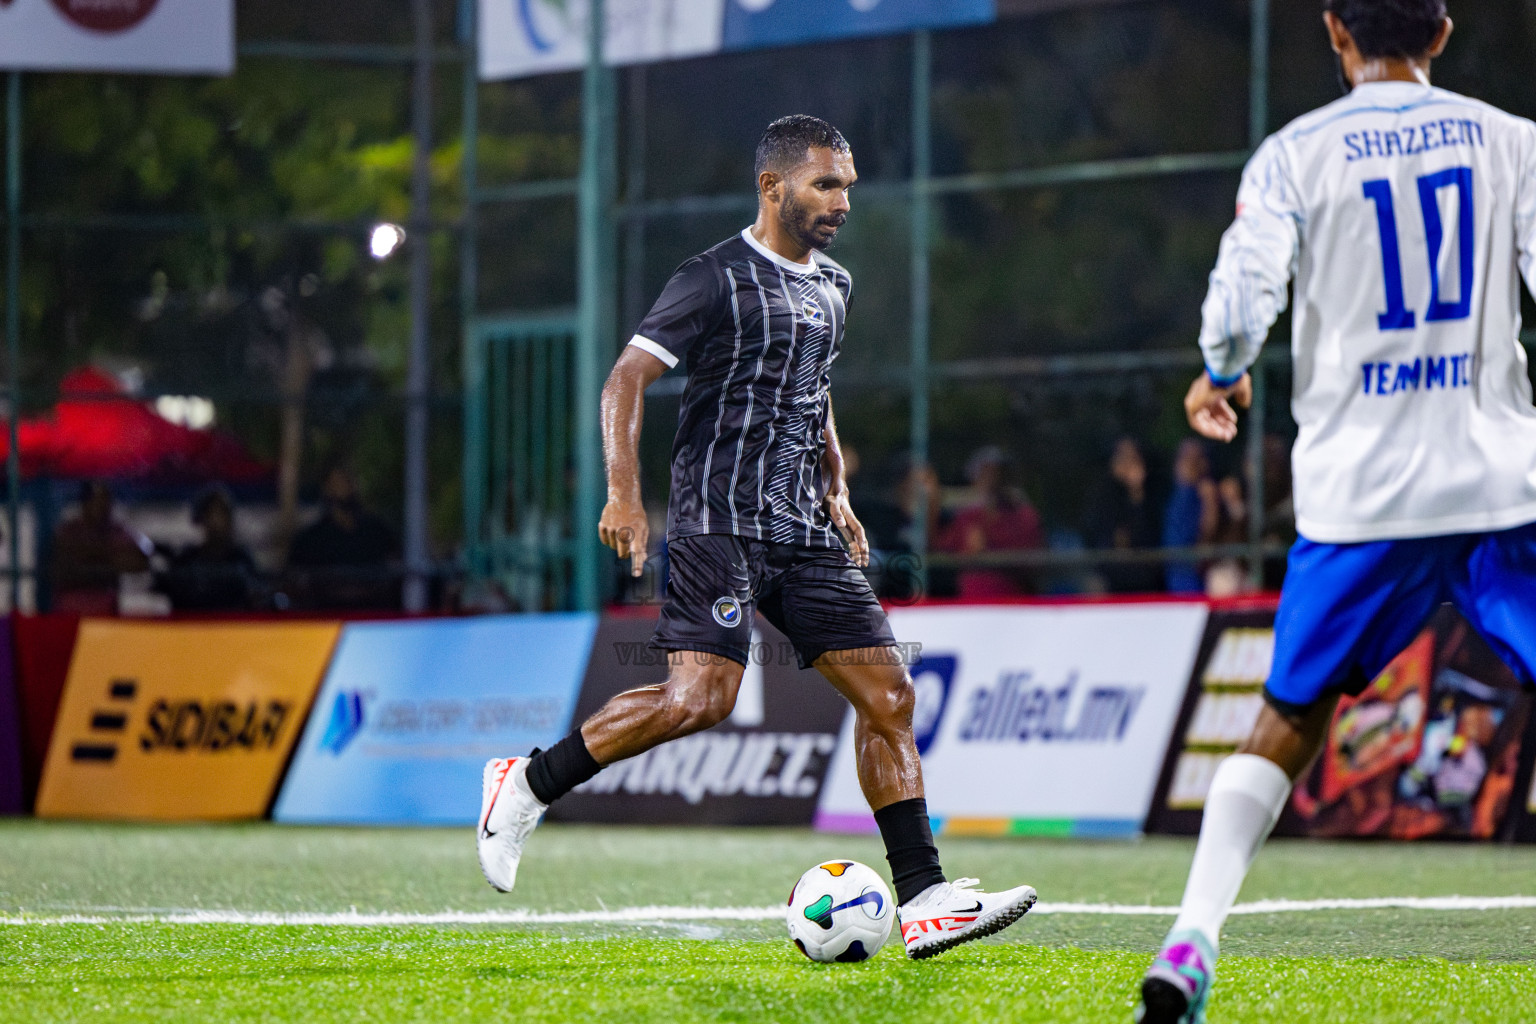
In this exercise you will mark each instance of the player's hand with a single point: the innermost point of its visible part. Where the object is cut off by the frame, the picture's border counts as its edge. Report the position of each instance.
(1209, 410)
(847, 523)
(625, 528)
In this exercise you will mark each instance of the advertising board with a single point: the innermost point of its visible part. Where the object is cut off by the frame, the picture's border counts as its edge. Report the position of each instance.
(410, 712)
(1035, 720)
(529, 37)
(1433, 747)
(763, 766)
(180, 721)
(13, 799)
(158, 36)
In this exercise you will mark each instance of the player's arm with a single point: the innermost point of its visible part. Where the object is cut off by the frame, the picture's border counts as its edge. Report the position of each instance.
(688, 309)
(1248, 291)
(837, 493)
(624, 526)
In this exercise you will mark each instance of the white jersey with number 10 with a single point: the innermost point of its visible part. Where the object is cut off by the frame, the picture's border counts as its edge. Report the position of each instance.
(1407, 215)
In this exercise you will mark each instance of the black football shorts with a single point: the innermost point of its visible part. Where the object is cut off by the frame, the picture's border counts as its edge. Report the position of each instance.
(816, 597)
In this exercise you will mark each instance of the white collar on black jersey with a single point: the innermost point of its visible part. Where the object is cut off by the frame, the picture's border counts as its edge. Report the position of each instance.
(766, 253)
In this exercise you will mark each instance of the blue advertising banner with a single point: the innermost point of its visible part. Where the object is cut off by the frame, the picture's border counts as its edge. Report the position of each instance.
(410, 712)
(754, 23)
(531, 37)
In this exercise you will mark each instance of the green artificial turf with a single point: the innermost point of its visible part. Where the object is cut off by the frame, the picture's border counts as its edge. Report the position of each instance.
(1365, 966)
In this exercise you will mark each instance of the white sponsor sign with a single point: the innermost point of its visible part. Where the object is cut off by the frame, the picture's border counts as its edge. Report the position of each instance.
(1037, 718)
(530, 37)
(161, 36)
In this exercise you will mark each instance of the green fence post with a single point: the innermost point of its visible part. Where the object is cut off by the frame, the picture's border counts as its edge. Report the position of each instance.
(922, 200)
(594, 298)
(471, 362)
(13, 323)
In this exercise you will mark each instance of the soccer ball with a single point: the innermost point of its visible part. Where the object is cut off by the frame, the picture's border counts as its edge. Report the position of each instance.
(840, 912)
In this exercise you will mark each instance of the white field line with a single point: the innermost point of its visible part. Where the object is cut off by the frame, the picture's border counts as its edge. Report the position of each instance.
(652, 915)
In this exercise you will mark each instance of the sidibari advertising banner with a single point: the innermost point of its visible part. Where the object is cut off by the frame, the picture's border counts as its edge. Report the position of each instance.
(763, 766)
(1433, 747)
(1036, 720)
(180, 721)
(410, 712)
(528, 37)
(158, 36)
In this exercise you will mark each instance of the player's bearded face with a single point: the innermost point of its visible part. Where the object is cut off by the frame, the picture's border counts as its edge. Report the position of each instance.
(810, 227)
(815, 204)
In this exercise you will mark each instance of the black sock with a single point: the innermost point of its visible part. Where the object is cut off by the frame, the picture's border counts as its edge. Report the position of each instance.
(909, 847)
(555, 772)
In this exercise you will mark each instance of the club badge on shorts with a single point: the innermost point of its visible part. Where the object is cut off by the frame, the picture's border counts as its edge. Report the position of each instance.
(727, 612)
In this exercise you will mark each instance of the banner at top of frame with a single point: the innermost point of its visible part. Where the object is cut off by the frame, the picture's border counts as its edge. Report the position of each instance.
(529, 37)
(157, 36)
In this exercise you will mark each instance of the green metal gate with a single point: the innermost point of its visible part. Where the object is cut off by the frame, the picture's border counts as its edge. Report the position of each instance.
(519, 473)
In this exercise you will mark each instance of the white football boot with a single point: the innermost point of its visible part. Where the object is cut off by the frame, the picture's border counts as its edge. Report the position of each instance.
(509, 812)
(943, 916)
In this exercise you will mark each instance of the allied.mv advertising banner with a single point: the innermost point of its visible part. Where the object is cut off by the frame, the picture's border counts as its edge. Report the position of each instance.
(1036, 720)
(194, 37)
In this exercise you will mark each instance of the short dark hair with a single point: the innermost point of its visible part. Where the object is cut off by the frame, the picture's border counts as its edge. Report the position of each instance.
(788, 139)
(1390, 28)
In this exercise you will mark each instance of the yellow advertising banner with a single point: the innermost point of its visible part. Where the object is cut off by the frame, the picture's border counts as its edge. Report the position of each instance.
(181, 721)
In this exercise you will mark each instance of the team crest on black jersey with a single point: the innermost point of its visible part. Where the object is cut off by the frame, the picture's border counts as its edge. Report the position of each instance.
(810, 311)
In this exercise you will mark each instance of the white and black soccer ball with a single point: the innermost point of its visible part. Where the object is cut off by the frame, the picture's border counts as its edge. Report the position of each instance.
(840, 912)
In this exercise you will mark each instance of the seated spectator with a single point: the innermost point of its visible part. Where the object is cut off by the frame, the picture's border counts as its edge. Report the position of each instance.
(998, 518)
(217, 574)
(91, 552)
(1122, 516)
(1193, 514)
(345, 556)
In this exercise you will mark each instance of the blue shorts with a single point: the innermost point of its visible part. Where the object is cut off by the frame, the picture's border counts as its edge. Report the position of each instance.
(1349, 609)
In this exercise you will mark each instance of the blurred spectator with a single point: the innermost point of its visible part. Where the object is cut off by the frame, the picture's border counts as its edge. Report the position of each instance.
(1122, 516)
(890, 518)
(344, 557)
(1228, 576)
(998, 518)
(1279, 505)
(217, 574)
(1192, 516)
(92, 552)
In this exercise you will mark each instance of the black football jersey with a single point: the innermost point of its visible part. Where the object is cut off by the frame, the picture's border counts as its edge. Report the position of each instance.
(759, 333)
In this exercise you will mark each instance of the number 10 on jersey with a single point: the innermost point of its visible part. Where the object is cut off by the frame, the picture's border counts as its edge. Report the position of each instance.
(1379, 191)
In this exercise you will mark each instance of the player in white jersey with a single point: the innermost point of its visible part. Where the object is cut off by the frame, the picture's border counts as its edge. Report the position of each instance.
(1406, 215)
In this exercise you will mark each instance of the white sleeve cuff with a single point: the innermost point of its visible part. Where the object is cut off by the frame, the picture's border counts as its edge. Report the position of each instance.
(647, 345)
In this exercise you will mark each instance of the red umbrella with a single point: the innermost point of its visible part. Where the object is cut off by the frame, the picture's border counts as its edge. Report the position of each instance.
(98, 430)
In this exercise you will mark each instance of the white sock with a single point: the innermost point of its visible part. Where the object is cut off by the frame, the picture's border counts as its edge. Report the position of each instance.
(1246, 798)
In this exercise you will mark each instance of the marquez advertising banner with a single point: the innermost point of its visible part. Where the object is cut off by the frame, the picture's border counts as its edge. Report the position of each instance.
(1433, 747)
(410, 712)
(763, 766)
(529, 37)
(180, 721)
(159, 36)
(1036, 720)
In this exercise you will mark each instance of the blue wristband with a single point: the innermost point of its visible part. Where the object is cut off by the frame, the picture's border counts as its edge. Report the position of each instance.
(1223, 382)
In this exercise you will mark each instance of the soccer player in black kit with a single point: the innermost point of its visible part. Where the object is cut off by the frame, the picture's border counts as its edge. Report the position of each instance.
(757, 521)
